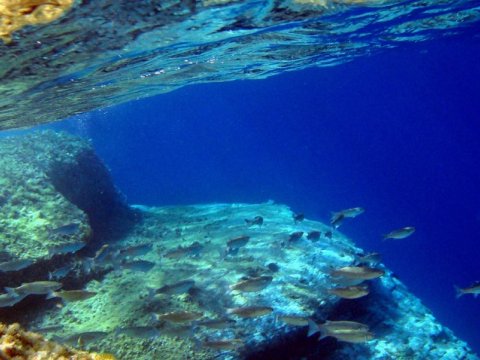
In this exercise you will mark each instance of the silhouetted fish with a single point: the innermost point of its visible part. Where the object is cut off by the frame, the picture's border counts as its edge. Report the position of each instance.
(65, 230)
(34, 288)
(257, 220)
(138, 265)
(66, 248)
(15, 265)
(400, 233)
(180, 287)
(298, 217)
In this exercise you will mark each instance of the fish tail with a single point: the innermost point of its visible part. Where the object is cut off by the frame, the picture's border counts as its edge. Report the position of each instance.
(11, 291)
(51, 295)
(458, 291)
(313, 328)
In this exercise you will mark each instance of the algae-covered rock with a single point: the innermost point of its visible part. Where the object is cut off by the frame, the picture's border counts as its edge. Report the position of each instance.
(202, 244)
(17, 343)
(54, 191)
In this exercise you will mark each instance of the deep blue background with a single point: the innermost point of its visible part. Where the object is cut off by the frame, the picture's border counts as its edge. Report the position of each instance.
(396, 133)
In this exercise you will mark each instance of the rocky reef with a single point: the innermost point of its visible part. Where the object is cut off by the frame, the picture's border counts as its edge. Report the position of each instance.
(131, 315)
(16, 343)
(55, 196)
(218, 281)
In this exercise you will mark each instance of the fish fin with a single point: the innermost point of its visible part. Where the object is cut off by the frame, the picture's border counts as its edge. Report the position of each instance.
(51, 295)
(88, 265)
(154, 318)
(459, 292)
(11, 291)
(50, 276)
(313, 328)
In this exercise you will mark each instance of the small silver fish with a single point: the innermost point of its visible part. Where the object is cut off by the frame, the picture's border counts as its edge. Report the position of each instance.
(136, 250)
(223, 323)
(65, 230)
(138, 265)
(473, 289)
(400, 233)
(66, 248)
(83, 338)
(34, 288)
(250, 311)
(192, 250)
(10, 299)
(180, 287)
(71, 295)
(179, 316)
(15, 265)
(60, 273)
(252, 284)
(224, 344)
(143, 332)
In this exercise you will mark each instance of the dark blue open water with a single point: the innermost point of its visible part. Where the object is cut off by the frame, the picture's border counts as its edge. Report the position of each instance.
(397, 133)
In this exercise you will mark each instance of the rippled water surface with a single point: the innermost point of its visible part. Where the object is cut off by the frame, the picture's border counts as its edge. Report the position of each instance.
(129, 50)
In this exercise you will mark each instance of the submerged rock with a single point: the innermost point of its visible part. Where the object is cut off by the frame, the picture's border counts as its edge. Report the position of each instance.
(17, 343)
(56, 196)
(278, 310)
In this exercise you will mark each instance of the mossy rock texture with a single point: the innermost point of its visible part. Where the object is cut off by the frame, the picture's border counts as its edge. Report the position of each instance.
(48, 180)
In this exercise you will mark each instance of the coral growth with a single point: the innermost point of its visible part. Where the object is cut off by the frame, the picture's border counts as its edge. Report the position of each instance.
(16, 343)
(15, 14)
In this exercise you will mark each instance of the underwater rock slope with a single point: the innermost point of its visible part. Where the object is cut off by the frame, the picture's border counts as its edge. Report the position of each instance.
(220, 287)
(55, 197)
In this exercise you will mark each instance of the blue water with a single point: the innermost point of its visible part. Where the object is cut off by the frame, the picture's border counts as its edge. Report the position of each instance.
(396, 133)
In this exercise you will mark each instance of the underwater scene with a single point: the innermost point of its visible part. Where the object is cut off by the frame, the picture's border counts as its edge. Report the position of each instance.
(221, 179)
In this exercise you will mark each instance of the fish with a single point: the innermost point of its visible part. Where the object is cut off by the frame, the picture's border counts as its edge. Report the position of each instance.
(348, 331)
(337, 220)
(138, 265)
(250, 311)
(328, 234)
(350, 292)
(472, 289)
(66, 248)
(15, 265)
(295, 236)
(177, 288)
(257, 220)
(298, 217)
(83, 338)
(238, 242)
(223, 344)
(71, 295)
(135, 250)
(193, 250)
(64, 230)
(143, 332)
(293, 320)
(102, 253)
(60, 273)
(9, 299)
(314, 235)
(35, 288)
(400, 233)
(370, 259)
(222, 323)
(348, 213)
(178, 316)
(253, 284)
(357, 273)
